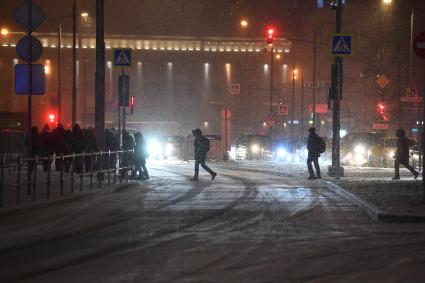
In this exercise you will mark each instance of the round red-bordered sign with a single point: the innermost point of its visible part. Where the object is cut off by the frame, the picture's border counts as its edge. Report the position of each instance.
(419, 45)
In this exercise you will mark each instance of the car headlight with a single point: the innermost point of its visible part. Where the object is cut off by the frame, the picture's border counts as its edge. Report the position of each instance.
(359, 149)
(154, 148)
(281, 152)
(255, 148)
(169, 148)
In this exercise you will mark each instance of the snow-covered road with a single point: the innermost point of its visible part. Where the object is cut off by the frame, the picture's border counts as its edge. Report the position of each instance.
(241, 227)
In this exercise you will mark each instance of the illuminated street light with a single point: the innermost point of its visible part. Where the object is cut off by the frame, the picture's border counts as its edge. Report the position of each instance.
(244, 23)
(387, 1)
(84, 14)
(4, 31)
(278, 56)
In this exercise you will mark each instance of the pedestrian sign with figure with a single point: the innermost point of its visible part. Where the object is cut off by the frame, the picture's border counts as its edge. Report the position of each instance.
(122, 57)
(341, 45)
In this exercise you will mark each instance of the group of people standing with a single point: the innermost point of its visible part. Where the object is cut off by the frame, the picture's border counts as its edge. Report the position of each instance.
(60, 141)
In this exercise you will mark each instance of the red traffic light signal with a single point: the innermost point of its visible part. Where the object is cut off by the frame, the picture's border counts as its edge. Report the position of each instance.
(270, 34)
(382, 111)
(51, 117)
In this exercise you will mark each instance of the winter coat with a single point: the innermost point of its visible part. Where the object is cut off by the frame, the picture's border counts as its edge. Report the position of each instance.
(313, 145)
(402, 152)
(200, 147)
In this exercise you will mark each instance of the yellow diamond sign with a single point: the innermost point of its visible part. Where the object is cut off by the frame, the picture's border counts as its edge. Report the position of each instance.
(382, 81)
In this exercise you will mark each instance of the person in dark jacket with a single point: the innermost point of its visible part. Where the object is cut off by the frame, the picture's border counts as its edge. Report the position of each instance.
(34, 146)
(402, 154)
(140, 155)
(48, 150)
(313, 148)
(201, 145)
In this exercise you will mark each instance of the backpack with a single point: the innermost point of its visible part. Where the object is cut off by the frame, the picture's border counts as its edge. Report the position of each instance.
(205, 144)
(321, 145)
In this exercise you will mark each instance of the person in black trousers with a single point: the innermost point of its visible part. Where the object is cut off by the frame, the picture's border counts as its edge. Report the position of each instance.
(202, 146)
(313, 147)
(402, 155)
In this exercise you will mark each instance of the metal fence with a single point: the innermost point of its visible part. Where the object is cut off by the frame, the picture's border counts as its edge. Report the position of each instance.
(12, 144)
(72, 172)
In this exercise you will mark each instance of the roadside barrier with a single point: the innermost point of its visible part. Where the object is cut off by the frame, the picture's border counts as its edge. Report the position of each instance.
(74, 170)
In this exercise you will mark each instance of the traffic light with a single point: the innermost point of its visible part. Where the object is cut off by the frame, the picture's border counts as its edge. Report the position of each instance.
(131, 104)
(51, 118)
(270, 34)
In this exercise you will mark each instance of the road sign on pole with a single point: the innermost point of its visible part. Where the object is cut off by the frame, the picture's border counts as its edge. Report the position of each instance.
(341, 45)
(235, 89)
(21, 16)
(124, 90)
(419, 45)
(23, 49)
(122, 57)
(283, 110)
(22, 85)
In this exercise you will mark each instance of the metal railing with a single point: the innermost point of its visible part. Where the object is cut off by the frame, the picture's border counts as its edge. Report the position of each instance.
(75, 170)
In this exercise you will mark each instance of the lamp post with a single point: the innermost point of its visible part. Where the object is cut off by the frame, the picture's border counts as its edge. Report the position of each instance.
(270, 36)
(74, 63)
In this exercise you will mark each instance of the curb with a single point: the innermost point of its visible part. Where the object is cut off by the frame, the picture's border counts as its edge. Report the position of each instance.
(373, 212)
(66, 199)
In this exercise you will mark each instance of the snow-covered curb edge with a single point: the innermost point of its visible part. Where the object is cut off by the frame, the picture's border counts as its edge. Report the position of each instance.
(65, 199)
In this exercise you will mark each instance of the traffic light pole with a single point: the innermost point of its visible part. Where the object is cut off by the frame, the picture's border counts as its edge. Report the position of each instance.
(336, 169)
(74, 64)
(100, 75)
(271, 91)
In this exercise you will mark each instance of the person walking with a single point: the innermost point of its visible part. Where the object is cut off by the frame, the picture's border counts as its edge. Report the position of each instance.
(315, 146)
(402, 155)
(202, 146)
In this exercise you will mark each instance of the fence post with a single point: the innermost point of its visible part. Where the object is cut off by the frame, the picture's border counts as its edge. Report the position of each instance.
(2, 181)
(82, 171)
(99, 173)
(49, 180)
(91, 170)
(34, 185)
(115, 169)
(62, 172)
(72, 172)
(109, 167)
(18, 183)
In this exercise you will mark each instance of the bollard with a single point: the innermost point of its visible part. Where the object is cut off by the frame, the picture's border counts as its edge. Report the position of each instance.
(34, 182)
(82, 171)
(18, 183)
(49, 180)
(2, 181)
(62, 172)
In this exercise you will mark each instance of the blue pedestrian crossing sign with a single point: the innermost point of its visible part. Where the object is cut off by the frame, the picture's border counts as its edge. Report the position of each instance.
(342, 45)
(122, 57)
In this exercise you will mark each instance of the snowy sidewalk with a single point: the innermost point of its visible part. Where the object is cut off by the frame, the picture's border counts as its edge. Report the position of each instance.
(370, 188)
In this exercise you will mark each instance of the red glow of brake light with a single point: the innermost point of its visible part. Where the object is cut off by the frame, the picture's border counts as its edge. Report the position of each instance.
(132, 101)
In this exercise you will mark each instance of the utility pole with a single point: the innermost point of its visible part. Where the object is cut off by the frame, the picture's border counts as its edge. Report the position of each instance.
(302, 104)
(293, 102)
(100, 75)
(59, 72)
(314, 76)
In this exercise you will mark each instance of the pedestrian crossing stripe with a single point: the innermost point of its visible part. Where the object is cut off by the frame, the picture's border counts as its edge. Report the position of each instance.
(122, 57)
(341, 45)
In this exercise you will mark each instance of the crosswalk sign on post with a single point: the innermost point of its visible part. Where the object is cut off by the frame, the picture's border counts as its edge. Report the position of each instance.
(122, 57)
(341, 45)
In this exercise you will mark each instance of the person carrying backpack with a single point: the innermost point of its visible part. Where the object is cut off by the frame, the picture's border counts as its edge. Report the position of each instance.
(315, 146)
(202, 146)
(402, 155)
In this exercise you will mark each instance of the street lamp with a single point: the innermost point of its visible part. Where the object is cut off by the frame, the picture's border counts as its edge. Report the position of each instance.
(74, 63)
(244, 23)
(4, 31)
